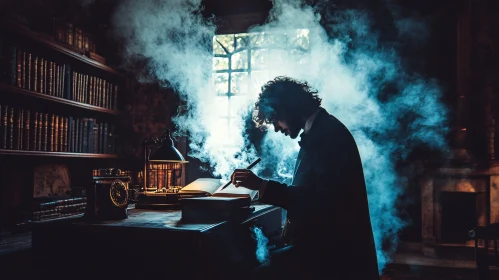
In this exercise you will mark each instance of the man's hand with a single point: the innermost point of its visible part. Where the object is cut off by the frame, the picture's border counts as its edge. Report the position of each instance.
(246, 178)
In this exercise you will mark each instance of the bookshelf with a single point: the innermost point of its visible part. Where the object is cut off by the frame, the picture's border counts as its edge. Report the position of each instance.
(8, 89)
(56, 154)
(45, 41)
(43, 82)
(59, 117)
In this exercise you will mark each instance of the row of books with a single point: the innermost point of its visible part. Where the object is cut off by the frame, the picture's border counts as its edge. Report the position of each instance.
(36, 73)
(73, 36)
(54, 214)
(94, 91)
(22, 129)
(47, 208)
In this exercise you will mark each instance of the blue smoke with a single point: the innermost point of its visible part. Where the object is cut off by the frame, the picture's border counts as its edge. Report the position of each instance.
(262, 251)
(351, 71)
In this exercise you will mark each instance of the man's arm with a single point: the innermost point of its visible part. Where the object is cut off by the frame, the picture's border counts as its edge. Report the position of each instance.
(331, 164)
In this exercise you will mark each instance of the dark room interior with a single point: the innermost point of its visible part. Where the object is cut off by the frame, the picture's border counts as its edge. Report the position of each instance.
(136, 140)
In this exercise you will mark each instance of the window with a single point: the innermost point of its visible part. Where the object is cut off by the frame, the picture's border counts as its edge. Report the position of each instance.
(241, 65)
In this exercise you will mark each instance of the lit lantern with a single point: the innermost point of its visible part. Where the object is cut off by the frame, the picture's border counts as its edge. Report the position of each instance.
(163, 174)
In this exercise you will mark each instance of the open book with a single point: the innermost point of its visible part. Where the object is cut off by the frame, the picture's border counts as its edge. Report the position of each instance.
(213, 187)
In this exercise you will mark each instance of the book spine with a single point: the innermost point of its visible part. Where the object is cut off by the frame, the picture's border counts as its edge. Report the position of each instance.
(18, 129)
(50, 77)
(85, 136)
(23, 70)
(90, 136)
(66, 135)
(56, 133)
(46, 77)
(51, 132)
(102, 93)
(105, 138)
(76, 138)
(70, 134)
(11, 128)
(61, 81)
(27, 124)
(54, 79)
(96, 138)
(19, 74)
(78, 83)
(39, 142)
(45, 124)
(34, 131)
(35, 74)
(101, 138)
(73, 86)
(90, 91)
(60, 146)
(42, 76)
(70, 34)
(67, 82)
(28, 68)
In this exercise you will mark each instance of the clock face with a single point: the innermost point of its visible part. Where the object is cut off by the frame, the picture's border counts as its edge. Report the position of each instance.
(119, 193)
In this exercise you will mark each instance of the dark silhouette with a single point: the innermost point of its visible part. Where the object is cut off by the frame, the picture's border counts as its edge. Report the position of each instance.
(328, 228)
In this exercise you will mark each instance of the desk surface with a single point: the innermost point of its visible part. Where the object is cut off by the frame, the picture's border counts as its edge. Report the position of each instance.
(156, 242)
(156, 219)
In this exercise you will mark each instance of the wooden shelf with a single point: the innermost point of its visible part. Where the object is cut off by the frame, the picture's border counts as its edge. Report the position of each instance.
(5, 88)
(54, 154)
(46, 41)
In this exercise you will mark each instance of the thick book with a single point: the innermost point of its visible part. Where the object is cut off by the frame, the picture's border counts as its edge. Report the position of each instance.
(204, 187)
(204, 200)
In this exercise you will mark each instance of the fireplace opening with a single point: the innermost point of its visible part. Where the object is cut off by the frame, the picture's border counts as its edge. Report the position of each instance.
(459, 215)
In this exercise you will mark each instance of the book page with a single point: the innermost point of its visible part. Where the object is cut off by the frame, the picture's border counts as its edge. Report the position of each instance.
(232, 191)
(202, 185)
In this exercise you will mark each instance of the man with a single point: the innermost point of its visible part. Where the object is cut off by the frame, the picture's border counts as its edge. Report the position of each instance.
(328, 227)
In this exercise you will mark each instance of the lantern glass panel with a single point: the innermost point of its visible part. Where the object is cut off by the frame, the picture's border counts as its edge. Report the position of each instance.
(164, 176)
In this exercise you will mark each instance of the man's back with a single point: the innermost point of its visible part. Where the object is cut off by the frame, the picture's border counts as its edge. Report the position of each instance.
(330, 210)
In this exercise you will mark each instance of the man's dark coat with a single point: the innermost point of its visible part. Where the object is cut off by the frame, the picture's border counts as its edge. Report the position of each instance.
(327, 204)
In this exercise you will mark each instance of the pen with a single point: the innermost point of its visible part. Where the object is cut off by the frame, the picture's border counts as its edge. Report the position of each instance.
(249, 167)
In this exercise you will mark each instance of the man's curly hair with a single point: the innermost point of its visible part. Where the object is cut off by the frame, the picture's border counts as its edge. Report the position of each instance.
(283, 98)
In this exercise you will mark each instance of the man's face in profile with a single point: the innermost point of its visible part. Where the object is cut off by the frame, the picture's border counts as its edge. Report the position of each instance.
(287, 127)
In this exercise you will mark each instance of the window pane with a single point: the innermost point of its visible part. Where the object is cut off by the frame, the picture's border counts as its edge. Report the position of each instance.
(241, 41)
(240, 60)
(257, 39)
(239, 83)
(221, 83)
(227, 41)
(217, 49)
(302, 39)
(258, 58)
(220, 63)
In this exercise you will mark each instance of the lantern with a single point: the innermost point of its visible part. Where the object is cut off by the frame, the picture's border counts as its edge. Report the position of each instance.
(163, 175)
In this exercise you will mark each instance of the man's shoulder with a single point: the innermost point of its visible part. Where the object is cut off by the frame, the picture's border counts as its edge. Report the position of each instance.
(332, 126)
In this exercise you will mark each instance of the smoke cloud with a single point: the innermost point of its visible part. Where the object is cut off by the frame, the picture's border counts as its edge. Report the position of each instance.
(176, 43)
(262, 252)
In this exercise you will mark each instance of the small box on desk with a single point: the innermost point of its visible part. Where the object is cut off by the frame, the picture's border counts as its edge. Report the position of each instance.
(209, 209)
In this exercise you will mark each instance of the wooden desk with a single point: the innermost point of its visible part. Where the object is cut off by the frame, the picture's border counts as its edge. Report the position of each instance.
(149, 244)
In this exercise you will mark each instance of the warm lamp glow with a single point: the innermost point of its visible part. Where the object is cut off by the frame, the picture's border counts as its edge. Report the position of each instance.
(163, 168)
